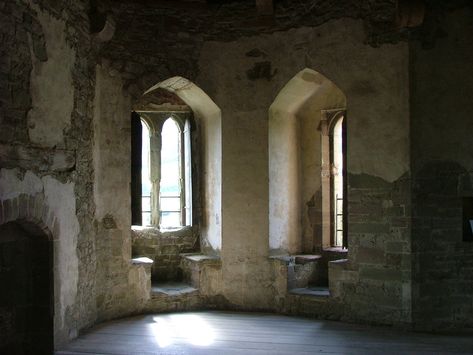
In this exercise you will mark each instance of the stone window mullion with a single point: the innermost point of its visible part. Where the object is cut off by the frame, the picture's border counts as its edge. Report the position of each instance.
(155, 171)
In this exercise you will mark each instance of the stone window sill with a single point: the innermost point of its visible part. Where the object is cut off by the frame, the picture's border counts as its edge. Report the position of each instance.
(335, 250)
(142, 261)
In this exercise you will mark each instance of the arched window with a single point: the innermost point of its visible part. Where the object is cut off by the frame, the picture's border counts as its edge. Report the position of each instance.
(170, 187)
(337, 177)
(164, 166)
(146, 185)
(334, 183)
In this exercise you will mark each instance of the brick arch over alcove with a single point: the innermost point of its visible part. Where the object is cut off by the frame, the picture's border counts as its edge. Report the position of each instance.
(30, 209)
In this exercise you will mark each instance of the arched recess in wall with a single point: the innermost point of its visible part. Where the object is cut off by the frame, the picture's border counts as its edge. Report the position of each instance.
(209, 115)
(27, 271)
(296, 216)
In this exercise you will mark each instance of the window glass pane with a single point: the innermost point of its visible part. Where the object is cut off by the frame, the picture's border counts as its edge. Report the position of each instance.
(187, 173)
(146, 203)
(338, 181)
(170, 219)
(146, 218)
(145, 154)
(170, 159)
(170, 188)
(339, 222)
(171, 204)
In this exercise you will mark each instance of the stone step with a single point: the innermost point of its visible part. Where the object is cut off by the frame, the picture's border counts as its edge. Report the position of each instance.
(311, 291)
(172, 289)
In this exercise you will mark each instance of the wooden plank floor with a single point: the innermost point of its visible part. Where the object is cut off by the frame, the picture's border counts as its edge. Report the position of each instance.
(254, 333)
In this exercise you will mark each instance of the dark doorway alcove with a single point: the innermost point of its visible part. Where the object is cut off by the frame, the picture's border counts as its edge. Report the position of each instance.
(26, 296)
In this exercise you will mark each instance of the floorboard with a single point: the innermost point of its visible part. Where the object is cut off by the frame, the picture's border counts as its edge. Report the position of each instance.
(254, 333)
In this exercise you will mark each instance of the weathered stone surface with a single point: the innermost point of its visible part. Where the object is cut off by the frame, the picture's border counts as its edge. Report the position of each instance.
(65, 102)
(164, 248)
(36, 159)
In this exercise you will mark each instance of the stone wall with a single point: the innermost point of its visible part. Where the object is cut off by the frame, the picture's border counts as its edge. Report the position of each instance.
(164, 248)
(379, 250)
(65, 105)
(377, 114)
(46, 81)
(231, 74)
(442, 165)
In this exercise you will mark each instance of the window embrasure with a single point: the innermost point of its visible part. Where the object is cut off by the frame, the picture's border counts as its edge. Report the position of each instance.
(165, 178)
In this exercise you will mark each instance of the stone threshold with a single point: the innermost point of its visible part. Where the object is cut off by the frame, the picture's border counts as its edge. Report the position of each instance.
(314, 291)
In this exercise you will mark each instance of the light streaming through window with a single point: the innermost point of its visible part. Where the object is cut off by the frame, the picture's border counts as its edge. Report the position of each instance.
(338, 182)
(170, 187)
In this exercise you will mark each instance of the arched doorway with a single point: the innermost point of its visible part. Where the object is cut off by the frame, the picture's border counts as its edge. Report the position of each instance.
(26, 297)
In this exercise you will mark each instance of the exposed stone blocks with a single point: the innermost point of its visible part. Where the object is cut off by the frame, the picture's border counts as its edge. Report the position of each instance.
(202, 272)
(31, 209)
(164, 248)
(35, 158)
(442, 261)
(379, 247)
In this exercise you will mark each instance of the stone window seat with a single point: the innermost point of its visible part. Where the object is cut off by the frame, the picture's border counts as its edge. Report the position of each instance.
(201, 258)
(195, 265)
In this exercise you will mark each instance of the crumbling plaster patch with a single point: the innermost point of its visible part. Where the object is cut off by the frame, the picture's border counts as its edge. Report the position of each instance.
(12, 184)
(52, 91)
(62, 203)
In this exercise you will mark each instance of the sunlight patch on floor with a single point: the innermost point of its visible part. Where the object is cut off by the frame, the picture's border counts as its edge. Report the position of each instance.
(182, 328)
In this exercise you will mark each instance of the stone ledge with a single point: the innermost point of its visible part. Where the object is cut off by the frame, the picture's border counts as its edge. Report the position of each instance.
(160, 231)
(339, 263)
(336, 250)
(142, 261)
(201, 258)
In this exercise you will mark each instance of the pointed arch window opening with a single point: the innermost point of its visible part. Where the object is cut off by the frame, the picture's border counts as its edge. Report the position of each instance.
(166, 179)
(171, 183)
(333, 127)
(337, 182)
(146, 185)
